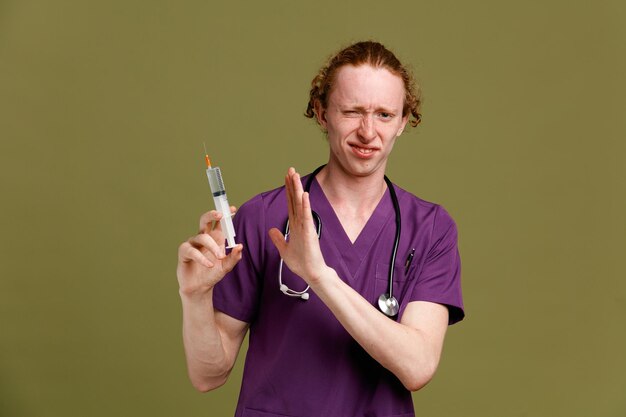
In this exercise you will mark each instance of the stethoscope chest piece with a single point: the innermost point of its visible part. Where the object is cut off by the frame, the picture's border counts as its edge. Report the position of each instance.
(388, 305)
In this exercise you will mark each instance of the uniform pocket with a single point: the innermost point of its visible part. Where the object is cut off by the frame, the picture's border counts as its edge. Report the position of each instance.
(401, 281)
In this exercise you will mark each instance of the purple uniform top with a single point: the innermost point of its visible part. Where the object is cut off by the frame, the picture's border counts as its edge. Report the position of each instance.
(301, 362)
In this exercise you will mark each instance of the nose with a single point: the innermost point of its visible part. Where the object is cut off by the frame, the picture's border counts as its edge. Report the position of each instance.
(367, 131)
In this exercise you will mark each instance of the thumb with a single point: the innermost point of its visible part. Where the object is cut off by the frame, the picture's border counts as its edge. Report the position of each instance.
(278, 240)
(233, 258)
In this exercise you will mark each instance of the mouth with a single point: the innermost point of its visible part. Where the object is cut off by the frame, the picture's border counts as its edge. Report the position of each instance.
(361, 152)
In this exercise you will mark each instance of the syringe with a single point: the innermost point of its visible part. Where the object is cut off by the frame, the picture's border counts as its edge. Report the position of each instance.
(221, 201)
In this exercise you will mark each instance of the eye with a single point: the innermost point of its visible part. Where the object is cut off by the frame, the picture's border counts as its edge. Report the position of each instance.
(385, 115)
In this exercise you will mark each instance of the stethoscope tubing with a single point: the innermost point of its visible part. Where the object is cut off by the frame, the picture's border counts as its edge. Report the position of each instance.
(396, 242)
(389, 294)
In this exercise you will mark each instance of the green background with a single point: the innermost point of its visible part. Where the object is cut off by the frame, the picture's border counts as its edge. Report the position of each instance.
(103, 110)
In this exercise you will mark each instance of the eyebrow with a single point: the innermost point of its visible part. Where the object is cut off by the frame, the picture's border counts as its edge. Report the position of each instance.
(362, 109)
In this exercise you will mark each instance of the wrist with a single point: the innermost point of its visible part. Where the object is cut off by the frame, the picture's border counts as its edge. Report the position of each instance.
(195, 294)
(322, 277)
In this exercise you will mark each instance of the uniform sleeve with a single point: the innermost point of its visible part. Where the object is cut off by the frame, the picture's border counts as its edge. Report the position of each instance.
(238, 294)
(439, 280)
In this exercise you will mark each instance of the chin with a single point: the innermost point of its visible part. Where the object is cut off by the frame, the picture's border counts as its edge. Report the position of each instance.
(363, 170)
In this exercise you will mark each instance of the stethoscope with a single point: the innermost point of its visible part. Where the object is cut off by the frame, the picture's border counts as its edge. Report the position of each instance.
(387, 303)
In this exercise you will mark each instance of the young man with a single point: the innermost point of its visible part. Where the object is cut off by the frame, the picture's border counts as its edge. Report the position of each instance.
(331, 352)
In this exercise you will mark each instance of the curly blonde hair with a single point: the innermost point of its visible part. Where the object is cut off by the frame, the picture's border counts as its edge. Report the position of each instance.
(361, 53)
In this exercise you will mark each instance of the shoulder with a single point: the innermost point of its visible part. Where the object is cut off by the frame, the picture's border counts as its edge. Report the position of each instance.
(425, 212)
(263, 207)
(410, 201)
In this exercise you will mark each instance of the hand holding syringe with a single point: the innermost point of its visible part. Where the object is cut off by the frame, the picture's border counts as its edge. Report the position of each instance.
(221, 201)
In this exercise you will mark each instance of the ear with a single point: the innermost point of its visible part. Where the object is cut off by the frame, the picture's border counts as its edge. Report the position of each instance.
(320, 114)
(405, 120)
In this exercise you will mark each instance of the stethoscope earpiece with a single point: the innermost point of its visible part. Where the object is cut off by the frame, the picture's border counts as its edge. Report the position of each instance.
(288, 291)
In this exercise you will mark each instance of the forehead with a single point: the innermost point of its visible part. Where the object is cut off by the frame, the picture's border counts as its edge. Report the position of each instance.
(366, 86)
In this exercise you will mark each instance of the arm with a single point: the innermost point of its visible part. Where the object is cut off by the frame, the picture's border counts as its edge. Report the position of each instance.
(410, 349)
(211, 339)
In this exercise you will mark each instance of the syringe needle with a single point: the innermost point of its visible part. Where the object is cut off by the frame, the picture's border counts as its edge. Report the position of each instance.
(206, 156)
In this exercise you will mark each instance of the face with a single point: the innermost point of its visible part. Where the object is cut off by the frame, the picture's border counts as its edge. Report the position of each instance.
(363, 118)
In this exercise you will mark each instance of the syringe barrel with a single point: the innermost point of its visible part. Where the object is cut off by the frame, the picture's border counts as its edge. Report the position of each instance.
(221, 204)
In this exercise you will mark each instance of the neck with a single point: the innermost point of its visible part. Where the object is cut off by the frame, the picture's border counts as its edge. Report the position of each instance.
(343, 189)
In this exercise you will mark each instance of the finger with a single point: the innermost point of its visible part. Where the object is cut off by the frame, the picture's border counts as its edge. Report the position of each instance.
(307, 215)
(289, 196)
(296, 191)
(207, 219)
(233, 258)
(297, 182)
(203, 240)
(211, 221)
(297, 187)
(278, 240)
(187, 253)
